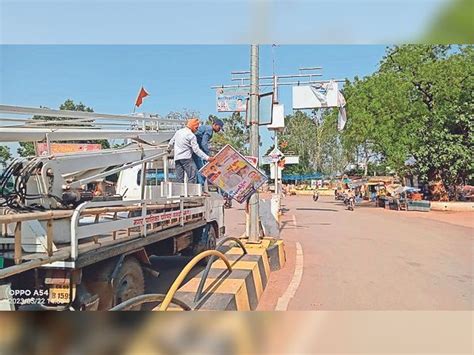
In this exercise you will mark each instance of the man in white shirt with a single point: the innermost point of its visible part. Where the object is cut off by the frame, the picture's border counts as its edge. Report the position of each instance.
(185, 143)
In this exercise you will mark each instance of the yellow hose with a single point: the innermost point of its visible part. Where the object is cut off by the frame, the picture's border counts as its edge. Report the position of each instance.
(182, 275)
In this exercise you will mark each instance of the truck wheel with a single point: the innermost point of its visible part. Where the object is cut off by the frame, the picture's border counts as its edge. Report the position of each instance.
(205, 240)
(128, 283)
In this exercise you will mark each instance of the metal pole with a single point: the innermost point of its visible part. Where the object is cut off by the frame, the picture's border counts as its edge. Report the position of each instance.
(254, 140)
(275, 142)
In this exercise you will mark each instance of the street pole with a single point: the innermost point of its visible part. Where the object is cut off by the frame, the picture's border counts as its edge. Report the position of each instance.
(253, 228)
(275, 138)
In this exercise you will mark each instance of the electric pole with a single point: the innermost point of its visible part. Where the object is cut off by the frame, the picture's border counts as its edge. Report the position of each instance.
(253, 228)
(252, 82)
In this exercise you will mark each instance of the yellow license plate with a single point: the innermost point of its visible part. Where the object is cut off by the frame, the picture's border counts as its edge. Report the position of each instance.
(59, 294)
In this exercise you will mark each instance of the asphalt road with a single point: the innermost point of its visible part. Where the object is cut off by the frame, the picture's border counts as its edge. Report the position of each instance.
(368, 259)
(374, 259)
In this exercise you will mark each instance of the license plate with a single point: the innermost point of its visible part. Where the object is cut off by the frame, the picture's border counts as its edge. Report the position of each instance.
(59, 294)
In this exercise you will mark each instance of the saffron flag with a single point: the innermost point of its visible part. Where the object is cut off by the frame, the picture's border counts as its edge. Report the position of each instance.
(141, 95)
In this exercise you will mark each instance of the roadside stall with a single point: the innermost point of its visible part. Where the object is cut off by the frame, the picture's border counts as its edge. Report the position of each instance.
(405, 198)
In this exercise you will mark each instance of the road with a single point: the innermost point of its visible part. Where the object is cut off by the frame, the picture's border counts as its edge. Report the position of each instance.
(374, 259)
(368, 259)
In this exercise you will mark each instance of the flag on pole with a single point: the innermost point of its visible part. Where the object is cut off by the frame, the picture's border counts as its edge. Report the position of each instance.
(141, 95)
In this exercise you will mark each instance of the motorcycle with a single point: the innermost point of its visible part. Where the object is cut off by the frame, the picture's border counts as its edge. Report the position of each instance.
(227, 201)
(315, 195)
(349, 201)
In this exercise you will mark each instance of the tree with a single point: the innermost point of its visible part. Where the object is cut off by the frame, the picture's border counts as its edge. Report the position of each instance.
(315, 140)
(235, 133)
(4, 155)
(442, 83)
(27, 148)
(417, 106)
(377, 128)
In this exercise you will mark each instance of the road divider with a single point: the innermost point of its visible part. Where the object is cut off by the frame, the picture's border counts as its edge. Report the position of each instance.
(241, 288)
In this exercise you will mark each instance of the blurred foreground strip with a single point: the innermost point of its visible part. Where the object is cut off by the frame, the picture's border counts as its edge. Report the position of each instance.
(363, 332)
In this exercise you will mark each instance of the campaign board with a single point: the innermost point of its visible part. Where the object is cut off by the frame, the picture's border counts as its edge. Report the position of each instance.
(231, 99)
(234, 174)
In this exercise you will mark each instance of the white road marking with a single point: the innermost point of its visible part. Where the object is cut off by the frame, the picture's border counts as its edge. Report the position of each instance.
(283, 301)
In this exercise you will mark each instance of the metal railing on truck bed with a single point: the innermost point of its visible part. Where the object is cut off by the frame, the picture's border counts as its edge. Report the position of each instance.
(94, 225)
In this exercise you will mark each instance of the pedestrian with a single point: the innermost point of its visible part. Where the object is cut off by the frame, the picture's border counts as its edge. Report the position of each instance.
(185, 144)
(203, 136)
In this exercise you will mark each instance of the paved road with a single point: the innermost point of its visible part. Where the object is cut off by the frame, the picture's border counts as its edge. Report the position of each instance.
(374, 259)
(369, 259)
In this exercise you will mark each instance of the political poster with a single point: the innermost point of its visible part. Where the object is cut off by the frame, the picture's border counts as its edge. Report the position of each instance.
(252, 160)
(233, 174)
(231, 99)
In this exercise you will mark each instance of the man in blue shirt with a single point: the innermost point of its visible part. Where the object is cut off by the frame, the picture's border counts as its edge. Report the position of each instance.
(203, 136)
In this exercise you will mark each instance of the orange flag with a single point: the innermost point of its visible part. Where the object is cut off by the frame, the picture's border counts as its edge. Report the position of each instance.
(141, 95)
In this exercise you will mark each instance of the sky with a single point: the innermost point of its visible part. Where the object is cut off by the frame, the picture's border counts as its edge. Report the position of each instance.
(108, 77)
(215, 21)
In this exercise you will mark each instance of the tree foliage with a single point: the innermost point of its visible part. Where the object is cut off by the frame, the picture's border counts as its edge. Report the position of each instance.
(27, 148)
(315, 140)
(235, 133)
(418, 105)
(4, 155)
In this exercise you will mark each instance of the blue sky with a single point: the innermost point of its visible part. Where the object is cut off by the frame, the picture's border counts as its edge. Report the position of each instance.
(215, 21)
(108, 77)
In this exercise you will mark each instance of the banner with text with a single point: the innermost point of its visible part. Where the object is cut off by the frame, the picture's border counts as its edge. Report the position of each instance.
(231, 99)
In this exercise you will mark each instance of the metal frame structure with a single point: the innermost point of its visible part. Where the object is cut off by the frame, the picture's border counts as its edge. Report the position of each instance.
(82, 234)
(306, 76)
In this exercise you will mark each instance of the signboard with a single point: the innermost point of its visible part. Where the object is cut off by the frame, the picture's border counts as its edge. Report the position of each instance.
(289, 159)
(292, 159)
(278, 117)
(307, 97)
(42, 148)
(268, 160)
(272, 172)
(231, 99)
(234, 174)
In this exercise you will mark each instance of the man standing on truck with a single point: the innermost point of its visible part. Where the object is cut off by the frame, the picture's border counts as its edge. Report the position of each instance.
(203, 136)
(185, 144)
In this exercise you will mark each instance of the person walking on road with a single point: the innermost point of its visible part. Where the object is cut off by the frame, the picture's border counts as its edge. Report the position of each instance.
(185, 144)
(203, 136)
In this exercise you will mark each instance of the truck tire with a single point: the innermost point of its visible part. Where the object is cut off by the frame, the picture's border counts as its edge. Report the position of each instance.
(204, 239)
(129, 282)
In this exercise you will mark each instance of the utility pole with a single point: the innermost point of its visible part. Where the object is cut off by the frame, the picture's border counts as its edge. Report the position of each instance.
(253, 228)
(275, 137)
(252, 81)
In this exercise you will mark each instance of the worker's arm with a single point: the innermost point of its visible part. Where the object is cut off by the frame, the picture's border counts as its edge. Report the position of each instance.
(206, 137)
(171, 143)
(195, 147)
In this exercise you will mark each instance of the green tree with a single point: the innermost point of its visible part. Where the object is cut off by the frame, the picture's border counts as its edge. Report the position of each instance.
(442, 85)
(417, 105)
(235, 133)
(27, 148)
(4, 155)
(315, 139)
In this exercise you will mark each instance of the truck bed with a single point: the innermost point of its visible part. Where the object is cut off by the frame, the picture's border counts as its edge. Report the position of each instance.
(115, 230)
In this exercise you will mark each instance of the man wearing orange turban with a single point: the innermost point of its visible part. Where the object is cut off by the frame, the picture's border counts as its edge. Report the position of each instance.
(193, 124)
(185, 143)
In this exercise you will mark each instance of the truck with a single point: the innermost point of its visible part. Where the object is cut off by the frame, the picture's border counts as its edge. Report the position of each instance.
(79, 224)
